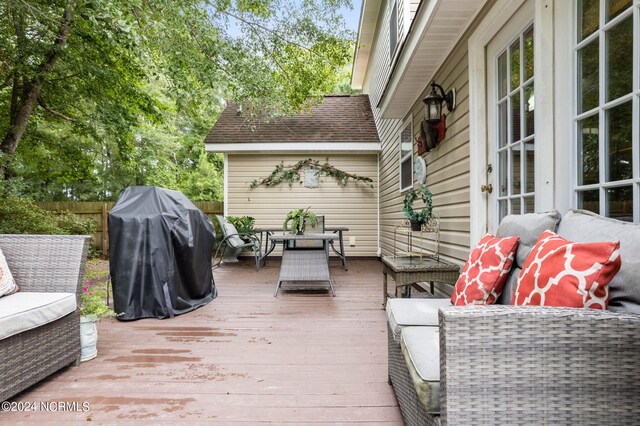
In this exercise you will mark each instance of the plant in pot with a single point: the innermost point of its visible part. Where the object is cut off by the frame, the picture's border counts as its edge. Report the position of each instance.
(420, 217)
(92, 308)
(244, 225)
(299, 219)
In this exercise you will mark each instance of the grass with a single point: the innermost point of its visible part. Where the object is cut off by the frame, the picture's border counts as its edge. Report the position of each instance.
(97, 273)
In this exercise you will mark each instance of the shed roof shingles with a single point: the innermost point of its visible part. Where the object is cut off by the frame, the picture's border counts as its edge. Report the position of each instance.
(337, 119)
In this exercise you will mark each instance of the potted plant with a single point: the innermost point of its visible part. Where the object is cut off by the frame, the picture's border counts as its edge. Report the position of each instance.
(92, 308)
(243, 224)
(299, 219)
(418, 218)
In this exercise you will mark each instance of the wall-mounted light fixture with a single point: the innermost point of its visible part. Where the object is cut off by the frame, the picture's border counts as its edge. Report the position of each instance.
(433, 110)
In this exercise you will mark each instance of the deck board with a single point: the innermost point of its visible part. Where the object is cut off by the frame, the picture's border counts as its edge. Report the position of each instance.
(247, 357)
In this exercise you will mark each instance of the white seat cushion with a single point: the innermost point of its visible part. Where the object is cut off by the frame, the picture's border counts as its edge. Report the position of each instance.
(24, 311)
(421, 350)
(408, 312)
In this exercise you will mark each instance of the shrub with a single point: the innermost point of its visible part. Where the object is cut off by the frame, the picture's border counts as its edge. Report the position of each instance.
(22, 216)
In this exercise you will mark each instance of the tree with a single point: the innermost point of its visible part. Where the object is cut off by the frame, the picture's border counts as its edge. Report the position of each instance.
(112, 91)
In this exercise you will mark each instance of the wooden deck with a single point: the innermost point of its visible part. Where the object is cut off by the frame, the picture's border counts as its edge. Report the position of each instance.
(247, 357)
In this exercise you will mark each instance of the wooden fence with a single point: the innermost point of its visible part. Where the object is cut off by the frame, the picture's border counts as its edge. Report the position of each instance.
(98, 211)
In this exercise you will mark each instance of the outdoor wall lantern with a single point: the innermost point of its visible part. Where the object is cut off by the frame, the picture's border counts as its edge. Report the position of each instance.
(433, 110)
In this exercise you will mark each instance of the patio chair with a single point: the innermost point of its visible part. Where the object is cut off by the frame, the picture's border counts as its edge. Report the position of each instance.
(232, 240)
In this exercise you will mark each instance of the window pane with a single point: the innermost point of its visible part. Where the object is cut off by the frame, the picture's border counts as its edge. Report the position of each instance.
(616, 7)
(515, 117)
(502, 209)
(393, 30)
(588, 156)
(588, 77)
(620, 203)
(528, 54)
(515, 170)
(588, 15)
(406, 144)
(514, 53)
(502, 124)
(502, 76)
(406, 175)
(620, 59)
(618, 146)
(504, 183)
(515, 206)
(529, 167)
(529, 204)
(529, 109)
(589, 200)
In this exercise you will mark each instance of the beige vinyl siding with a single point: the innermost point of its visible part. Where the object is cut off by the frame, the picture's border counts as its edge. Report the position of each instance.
(447, 166)
(353, 206)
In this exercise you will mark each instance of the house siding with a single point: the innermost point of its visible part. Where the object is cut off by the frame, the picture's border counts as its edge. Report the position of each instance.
(353, 206)
(447, 166)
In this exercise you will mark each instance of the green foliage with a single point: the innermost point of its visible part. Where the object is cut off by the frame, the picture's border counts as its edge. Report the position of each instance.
(136, 86)
(291, 174)
(299, 218)
(423, 215)
(243, 224)
(92, 303)
(22, 216)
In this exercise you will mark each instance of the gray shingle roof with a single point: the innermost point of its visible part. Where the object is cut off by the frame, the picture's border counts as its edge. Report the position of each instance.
(338, 119)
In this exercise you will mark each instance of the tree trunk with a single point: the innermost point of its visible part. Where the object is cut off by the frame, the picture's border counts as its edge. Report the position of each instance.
(25, 94)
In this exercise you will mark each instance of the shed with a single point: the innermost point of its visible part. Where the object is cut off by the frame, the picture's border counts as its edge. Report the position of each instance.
(340, 131)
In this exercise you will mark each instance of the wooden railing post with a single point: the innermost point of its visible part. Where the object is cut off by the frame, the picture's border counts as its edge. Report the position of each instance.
(105, 230)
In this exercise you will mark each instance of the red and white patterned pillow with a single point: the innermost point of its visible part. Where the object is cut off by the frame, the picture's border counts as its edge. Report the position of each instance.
(485, 271)
(7, 283)
(558, 272)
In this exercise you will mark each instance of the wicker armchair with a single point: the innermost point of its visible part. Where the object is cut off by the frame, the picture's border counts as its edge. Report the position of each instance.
(42, 263)
(512, 365)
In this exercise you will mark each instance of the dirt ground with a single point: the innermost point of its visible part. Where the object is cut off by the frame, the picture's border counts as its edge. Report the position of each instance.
(97, 273)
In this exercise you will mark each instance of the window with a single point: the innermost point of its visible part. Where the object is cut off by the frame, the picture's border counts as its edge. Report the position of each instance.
(393, 30)
(607, 177)
(406, 156)
(515, 115)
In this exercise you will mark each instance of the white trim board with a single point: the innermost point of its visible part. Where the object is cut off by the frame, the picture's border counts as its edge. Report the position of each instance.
(497, 17)
(226, 184)
(436, 29)
(292, 147)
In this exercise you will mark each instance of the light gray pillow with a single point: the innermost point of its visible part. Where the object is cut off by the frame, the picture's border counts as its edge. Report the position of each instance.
(234, 240)
(509, 287)
(528, 227)
(582, 226)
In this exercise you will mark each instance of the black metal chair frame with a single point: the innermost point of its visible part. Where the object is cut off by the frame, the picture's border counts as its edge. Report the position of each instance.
(253, 244)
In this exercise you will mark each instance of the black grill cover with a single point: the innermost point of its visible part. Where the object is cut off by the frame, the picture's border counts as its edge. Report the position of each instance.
(159, 254)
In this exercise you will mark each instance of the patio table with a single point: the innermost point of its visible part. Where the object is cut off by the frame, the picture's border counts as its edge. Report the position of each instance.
(307, 265)
(266, 232)
(408, 270)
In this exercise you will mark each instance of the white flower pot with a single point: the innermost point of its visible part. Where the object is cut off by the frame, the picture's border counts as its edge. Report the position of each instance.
(88, 338)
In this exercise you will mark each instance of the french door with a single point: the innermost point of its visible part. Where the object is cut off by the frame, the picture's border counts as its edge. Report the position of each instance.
(511, 138)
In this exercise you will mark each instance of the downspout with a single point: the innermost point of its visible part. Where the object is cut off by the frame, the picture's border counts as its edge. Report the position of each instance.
(226, 184)
(379, 250)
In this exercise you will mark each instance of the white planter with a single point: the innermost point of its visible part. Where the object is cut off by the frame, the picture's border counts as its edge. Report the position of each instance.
(88, 338)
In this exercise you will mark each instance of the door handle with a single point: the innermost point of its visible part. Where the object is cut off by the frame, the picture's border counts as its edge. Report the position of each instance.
(487, 188)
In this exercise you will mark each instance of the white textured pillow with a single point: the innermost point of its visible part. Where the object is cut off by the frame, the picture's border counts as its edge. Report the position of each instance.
(7, 283)
(235, 240)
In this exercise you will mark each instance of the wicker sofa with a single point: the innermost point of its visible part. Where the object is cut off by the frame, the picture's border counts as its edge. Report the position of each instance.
(523, 365)
(40, 324)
